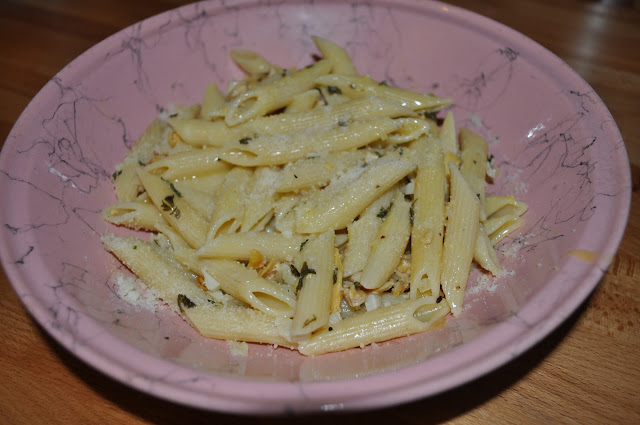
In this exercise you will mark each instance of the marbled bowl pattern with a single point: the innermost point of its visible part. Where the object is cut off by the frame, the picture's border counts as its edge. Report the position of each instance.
(555, 142)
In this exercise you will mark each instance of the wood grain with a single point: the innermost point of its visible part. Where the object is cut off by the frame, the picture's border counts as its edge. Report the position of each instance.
(587, 371)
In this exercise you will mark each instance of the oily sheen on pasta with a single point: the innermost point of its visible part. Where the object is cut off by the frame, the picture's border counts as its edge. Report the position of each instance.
(316, 208)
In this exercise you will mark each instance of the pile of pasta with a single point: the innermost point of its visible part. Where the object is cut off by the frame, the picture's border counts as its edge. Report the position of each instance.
(313, 208)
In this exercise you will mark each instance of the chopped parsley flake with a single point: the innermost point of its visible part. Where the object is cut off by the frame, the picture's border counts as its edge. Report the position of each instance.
(384, 211)
(173, 188)
(309, 321)
(303, 273)
(184, 301)
(168, 205)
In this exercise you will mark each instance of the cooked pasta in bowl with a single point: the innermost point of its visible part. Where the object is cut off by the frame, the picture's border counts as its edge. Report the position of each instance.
(341, 215)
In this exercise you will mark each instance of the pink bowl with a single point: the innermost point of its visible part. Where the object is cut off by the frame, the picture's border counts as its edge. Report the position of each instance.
(557, 146)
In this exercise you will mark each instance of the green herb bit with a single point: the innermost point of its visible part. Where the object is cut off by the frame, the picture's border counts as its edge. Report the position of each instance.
(334, 90)
(135, 247)
(303, 244)
(185, 302)
(294, 271)
(309, 321)
(142, 164)
(244, 140)
(384, 211)
(384, 83)
(116, 174)
(173, 188)
(490, 158)
(168, 205)
(335, 275)
(411, 214)
(432, 115)
(303, 273)
(322, 96)
(342, 123)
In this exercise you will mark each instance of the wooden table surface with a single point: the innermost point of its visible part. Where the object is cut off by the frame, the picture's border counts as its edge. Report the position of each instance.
(587, 371)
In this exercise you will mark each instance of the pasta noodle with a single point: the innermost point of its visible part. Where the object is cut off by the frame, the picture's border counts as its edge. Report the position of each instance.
(315, 209)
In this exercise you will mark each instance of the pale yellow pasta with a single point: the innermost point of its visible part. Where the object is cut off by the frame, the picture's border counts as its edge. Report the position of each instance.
(211, 101)
(175, 210)
(337, 206)
(260, 198)
(285, 148)
(230, 203)
(381, 324)
(357, 87)
(463, 212)
(125, 179)
(266, 98)
(244, 284)
(201, 200)
(251, 62)
(310, 208)
(189, 164)
(389, 244)
(428, 218)
(239, 246)
(234, 323)
(133, 214)
(208, 184)
(167, 279)
(473, 155)
(303, 101)
(336, 290)
(494, 204)
(409, 130)
(448, 135)
(342, 63)
(484, 254)
(317, 170)
(315, 286)
(362, 233)
(504, 217)
(198, 132)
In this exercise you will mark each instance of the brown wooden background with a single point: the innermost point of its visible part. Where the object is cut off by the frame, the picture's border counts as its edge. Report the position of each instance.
(587, 371)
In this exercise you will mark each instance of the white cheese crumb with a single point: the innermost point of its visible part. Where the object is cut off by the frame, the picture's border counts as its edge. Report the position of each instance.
(335, 318)
(134, 291)
(239, 348)
(372, 301)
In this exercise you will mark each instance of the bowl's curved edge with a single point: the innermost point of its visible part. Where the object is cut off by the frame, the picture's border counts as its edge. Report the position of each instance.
(303, 390)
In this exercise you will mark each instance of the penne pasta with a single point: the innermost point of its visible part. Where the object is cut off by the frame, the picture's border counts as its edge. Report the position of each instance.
(382, 324)
(427, 231)
(315, 285)
(337, 206)
(312, 208)
(266, 98)
(463, 222)
(389, 244)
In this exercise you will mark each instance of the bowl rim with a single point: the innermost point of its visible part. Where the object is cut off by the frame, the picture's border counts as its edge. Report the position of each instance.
(251, 396)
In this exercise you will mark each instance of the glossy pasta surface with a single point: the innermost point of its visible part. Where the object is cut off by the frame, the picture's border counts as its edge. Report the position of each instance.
(313, 208)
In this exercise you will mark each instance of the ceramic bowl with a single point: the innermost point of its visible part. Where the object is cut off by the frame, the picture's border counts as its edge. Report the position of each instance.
(555, 142)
